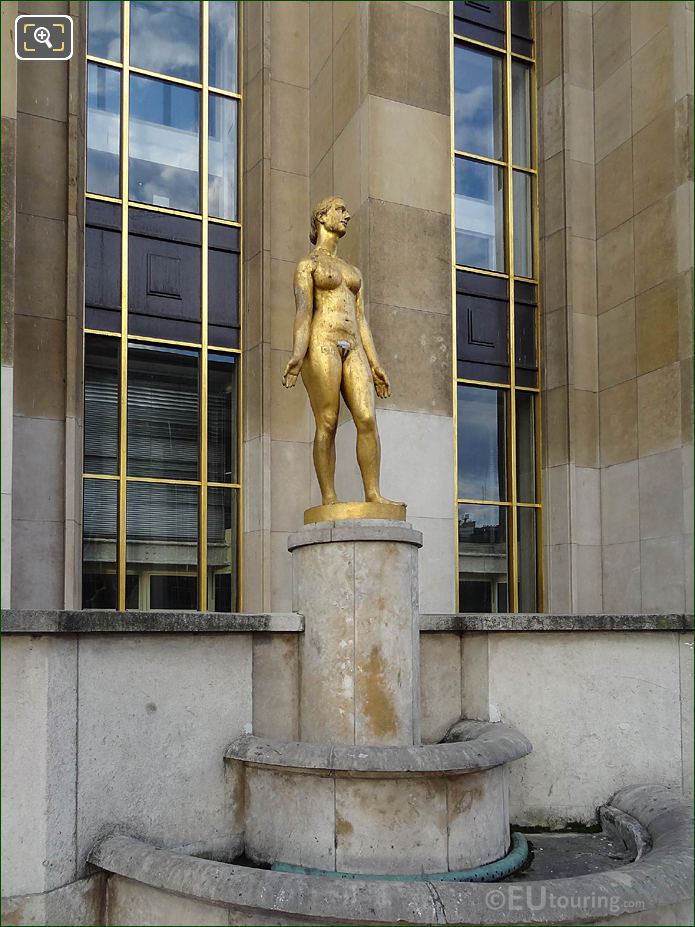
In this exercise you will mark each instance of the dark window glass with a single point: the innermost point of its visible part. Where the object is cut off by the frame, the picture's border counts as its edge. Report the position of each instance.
(222, 546)
(223, 286)
(521, 28)
(165, 37)
(163, 153)
(162, 412)
(103, 130)
(162, 541)
(479, 211)
(525, 344)
(478, 102)
(223, 44)
(525, 447)
(104, 32)
(101, 405)
(482, 318)
(482, 567)
(222, 158)
(164, 276)
(526, 529)
(99, 583)
(481, 443)
(222, 418)
(103, 266)
(482, 20)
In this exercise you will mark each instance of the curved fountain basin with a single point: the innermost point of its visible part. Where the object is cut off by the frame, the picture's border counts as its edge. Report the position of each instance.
(399, 810)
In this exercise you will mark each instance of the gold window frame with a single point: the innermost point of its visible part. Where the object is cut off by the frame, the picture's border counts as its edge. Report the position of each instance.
(203, 346)
(512, 504)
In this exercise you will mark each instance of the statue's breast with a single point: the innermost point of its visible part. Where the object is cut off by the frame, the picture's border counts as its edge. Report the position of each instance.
(327, 275)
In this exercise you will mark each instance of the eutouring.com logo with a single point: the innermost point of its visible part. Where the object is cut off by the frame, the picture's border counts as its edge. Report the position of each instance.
(43, 38)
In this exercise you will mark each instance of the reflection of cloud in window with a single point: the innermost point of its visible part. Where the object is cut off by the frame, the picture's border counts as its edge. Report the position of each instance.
(165, 37)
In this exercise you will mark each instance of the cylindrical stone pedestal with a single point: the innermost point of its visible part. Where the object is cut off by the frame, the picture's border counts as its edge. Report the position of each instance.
(356, 584)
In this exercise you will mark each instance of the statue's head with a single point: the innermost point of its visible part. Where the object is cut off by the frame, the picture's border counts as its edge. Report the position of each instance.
(332, 214)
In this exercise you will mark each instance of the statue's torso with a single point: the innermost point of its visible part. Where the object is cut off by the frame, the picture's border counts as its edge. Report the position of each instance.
(336, 285)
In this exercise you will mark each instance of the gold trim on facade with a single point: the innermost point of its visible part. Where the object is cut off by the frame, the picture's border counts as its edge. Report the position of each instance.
(512, 504)
(203, 347)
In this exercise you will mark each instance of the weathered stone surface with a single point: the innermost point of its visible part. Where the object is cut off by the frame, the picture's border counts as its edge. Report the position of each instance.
(530, 622)
(78, 903)
(27, 621)
(356, 584)
(474, 745)
(658, 886)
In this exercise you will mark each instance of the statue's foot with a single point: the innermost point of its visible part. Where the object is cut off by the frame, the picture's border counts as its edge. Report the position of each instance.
(330, 500)
(375, 497)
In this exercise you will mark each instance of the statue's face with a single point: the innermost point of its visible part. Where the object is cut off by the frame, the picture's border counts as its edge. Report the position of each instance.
(336, 218)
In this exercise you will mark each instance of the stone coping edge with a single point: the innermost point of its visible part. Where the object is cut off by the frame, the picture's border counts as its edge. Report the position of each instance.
(662, 877)
(485, 746)
(88, 621)
(547, 622)
(355, 529)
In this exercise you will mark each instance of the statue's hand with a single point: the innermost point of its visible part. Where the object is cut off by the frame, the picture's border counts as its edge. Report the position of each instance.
(294, 365)
(381, 383)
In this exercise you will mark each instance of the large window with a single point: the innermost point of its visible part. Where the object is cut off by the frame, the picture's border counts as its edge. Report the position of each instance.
(162, 478)
(496, 307)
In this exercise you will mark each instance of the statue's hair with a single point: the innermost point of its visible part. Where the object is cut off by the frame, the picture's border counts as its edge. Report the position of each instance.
(320, 210)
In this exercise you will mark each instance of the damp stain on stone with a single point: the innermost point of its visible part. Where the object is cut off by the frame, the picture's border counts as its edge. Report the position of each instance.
(150, 708)
(379, 709)
(343, 828)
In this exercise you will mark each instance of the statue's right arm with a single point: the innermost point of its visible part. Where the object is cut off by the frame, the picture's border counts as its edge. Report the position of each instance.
(304, 302)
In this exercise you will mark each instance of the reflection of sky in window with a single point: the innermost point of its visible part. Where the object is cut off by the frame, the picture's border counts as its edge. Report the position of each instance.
(477, 83)
(163, 139)
(104, 38)
(222, 55)
(483, 524)
(479, 215)
(222, 156)
(103, 130)
(165, 37)
(481, 443)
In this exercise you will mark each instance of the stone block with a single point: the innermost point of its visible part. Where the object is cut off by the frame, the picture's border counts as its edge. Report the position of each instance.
(348, 175)
(551, 37)
(395, 128)
(620, 503)
(655, 244)
(282, 307)
(613, 115)
(39, 367)
(478, 818)
(652, 79)
(579, 47)
(556, 411)
(43, 91)
(409, 266)
(321, 34)
(393, 826)
(276, 686)
(583, 277)
(618, 423)
(147, 702)
(401, 40)
(587, 596)
(659, 410)
(321, 115)
(617, 354)
(584, 352)
(553, 194)
(289, 114)
(289, 208)
(579, 119)
(38, 542)
(661, 494)
(581, 213)
(663, 581)
(43, 144)
(587, 515)
(39, 747)
(132, 903)
(291, 474)
(614, 189)
(38, 478)
(437, 563)
(290, 411)
(585, 428)
(440, 684)
(290, 818)
(280, 572)
(40, 267)
(346, 75)
(555, 339)
(654, 160)
(611, 40)
(289, 42)
(622, 590)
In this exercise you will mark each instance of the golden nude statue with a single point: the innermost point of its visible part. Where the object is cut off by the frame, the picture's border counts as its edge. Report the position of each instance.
(335, 354)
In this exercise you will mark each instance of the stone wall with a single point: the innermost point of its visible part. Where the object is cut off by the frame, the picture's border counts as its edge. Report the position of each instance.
(43, 235)
(616, 223)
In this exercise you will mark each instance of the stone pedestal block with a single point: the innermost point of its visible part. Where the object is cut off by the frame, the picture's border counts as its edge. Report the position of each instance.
(356, 584)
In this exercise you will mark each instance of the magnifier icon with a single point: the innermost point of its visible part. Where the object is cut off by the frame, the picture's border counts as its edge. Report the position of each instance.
(42, 35)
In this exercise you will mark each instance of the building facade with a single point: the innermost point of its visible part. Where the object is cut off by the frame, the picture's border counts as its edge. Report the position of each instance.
(519, 178)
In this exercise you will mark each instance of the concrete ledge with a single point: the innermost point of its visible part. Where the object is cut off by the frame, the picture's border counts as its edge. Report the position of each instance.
(357, 529)
(658, 885)
(486, 745)
(530, 622)
(19, 621)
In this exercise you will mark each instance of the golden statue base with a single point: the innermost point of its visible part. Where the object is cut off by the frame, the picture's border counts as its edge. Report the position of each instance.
(340, 511)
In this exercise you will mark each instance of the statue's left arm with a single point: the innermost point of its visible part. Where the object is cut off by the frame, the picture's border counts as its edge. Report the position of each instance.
(381, 381)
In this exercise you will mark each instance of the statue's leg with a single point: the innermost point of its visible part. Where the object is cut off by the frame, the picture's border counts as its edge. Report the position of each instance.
(321, 374)
(358, 392)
